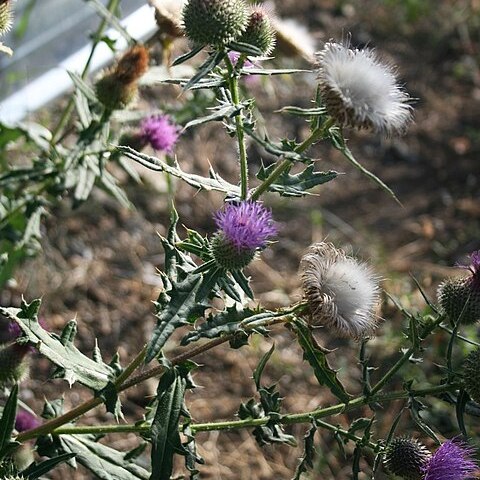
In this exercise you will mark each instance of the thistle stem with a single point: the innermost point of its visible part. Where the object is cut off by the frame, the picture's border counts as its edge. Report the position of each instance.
(288, 419)
(403, 359)
(242, 151)
(315, 135)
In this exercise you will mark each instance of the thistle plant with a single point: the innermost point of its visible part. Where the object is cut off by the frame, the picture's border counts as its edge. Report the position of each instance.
(208, 297)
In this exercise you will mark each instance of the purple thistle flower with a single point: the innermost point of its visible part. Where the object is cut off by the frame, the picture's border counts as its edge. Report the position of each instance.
(249, 79)
(25, 421)
(161, 132)
(246, 225)
(452, 461)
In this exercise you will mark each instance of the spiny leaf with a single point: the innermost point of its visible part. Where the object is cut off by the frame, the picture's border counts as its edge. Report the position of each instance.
(35, 471)
(317, 358)
(338, 142)
(164, 433)
(76, 366)
(104, 462)
(214, 182)
(7, 422)
(257, 373)
(296, 185)
(306, 461)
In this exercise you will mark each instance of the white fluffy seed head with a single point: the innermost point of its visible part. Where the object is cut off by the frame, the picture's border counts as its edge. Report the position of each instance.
(341, 292)
(360, 91)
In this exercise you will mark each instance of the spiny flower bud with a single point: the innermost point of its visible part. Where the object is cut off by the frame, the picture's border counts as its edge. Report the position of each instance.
(259, 32)
(460, 297)
(406, 457)
(243, 229)
(13, 363)
(114, 94)
(6, 16)
(471, 378)
(214, 22)
(341, 292)
(25, 421)
(132, 65)
(118, 87)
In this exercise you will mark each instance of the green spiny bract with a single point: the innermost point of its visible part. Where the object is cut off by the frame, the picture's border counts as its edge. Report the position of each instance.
(259, 32)
(13, 363)
(471, 379)
(406, 457)
(227, 255)
(114, 94)
(214, 22)
(460, 299)
(5, 17)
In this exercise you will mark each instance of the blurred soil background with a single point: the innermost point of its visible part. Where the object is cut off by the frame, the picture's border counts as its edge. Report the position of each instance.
(99, 261)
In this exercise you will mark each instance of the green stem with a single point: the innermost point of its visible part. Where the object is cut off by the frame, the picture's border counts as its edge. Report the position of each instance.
(314, 136)
(404, 358)
(288, 419)
(242, 150)
(111, 7)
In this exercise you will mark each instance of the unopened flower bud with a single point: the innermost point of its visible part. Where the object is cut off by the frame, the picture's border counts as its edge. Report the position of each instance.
(471, 378)
(25, 421)
(243, 228)
(118, 87)
(459, 298)
(13, 363)
(132, 65)
(214, 22)
(5, 16)
(259, 32)
(114, 94)
(406, 457)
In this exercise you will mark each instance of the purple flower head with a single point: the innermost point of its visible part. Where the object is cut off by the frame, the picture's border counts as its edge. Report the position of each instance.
(25, 421)
(452, 461)
(246, 225)
(161, 132)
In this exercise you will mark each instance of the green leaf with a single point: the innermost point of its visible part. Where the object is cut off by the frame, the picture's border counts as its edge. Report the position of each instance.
(317, 358)
(257, 373)
(338, 142)
(164, 433)
(7, 423)
(175, 311)
(74, 364)
(187, 56)
(246, 48)
(212, 61)
(460, 411)
(306, 461)
(284, 149)
(219, 113)
(304, 112)
(214, 182)
(223, 323)
(84, 88)
(104, 462)
(296, 185)
(415, 407)
(35, 471)
(176, 304)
